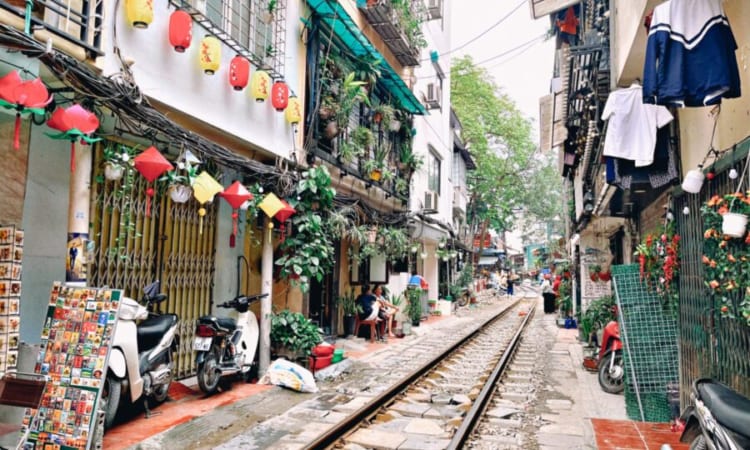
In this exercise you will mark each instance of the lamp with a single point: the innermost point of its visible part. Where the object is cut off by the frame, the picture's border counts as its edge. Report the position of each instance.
(209, 55)
(293, 111)
(259, 88)
(204, 188)
(140, 13)
(180, 30)
(693, 181)
(74, 123)
(151, 164)
(280, 95)
(236, 195)
(239, 72)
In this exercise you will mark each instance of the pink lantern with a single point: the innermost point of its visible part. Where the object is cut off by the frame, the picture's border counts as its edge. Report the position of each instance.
(74, 122)
(23, 96)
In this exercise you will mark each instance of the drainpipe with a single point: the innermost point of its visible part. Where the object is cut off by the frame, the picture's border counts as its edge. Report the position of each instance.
(266, 284)
(78, 217)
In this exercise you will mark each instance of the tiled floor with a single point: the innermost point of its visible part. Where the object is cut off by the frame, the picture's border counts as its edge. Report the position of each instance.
(627, 435)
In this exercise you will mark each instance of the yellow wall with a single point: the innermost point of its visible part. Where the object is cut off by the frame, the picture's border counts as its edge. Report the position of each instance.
(733, 125)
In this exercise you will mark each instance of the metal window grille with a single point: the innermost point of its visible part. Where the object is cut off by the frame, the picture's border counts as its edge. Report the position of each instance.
(255, 29)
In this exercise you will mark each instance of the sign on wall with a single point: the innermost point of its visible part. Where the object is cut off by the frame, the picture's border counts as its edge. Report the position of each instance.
(75, 343)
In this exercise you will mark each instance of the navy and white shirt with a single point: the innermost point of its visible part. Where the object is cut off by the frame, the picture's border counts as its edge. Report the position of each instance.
(690, 55)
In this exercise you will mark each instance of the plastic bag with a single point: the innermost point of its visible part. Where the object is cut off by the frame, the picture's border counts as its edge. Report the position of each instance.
(289, 375)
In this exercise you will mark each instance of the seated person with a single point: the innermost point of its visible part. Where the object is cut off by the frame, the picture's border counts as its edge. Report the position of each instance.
(387, 309)
(369, 307)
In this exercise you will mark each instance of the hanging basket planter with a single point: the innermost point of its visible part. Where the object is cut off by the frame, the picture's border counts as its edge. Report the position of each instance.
(113, 172)
(376, 175)
(733, 224)
(395, 125)
(180, 193)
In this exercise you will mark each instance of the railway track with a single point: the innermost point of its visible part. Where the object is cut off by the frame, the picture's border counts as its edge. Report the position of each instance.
(440, 404)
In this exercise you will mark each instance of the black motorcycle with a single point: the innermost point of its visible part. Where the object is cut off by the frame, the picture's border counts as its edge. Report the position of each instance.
(718, 419)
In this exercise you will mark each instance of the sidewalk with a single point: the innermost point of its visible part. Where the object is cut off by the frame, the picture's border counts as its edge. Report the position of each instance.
(258, 416)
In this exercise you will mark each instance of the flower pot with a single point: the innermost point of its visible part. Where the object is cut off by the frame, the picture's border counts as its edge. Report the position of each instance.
(376, 174)
(180, 193)
(395, 125)
(377, 117)
(693, 181)
(332, 130)
(326, 112)
(113, 172)
(594, 276)
(349, 322)
(733, 224)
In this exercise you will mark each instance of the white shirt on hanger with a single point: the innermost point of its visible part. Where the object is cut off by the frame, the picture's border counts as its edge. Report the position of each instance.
(631, 133)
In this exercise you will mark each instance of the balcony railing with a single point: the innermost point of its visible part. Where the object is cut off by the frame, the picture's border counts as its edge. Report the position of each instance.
(77, 21)
(399, 28)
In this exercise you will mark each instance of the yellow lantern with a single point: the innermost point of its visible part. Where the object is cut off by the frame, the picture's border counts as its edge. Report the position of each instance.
(209, 55)
(293, 111)
(260, 86)
(271, 204)
(204, 189)
(140, 13)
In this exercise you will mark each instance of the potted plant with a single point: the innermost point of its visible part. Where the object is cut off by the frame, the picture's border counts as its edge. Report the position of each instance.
(179, 183)
(594, 272)
(401, 186)
(367, 70)
(348, 151)
(414, 309)
(349, 306)
(373, 169)
(352, 93)
(116, 160)
(383, 113)
(268, 14)
(363, 138)
(293, 335)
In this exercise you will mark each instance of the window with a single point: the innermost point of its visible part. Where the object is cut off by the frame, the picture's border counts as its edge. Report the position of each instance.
(433, 171)
(255, 25)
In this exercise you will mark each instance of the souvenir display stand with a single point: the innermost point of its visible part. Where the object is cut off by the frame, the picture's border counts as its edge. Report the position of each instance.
(76, 338)
(11, 254)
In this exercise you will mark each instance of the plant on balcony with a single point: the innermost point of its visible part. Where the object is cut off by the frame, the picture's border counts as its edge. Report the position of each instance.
(364, 138)
(348, 151)
(351, 94)
(401, 186)
(367, 70)
(410, 20)
(409, 161)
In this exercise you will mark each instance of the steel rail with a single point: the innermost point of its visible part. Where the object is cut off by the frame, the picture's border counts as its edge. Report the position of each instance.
(481, 402)
(345, 427)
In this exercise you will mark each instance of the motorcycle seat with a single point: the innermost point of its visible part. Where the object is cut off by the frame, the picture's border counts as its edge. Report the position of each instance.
(151, 330)
(728, 407)
(226, 323)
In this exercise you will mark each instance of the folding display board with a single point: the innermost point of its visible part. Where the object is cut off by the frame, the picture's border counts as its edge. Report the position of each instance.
(76, 339)
(11, 255)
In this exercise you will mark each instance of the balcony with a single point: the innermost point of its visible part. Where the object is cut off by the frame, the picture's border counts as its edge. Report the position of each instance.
(79, 22)
(400, 27)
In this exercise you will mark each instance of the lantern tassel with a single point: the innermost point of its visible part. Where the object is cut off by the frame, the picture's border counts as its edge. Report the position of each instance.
(232, 240)
(282, 229)
(149, 194)
(200, 225)
(72, 156)
(17, 132)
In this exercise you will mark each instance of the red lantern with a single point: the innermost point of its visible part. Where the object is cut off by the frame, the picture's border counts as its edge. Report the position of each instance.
(283, 215)
(151, 164)
(74, 122)
(239, 72)
(180, 30)
(236, 194)
(23, 96)
(280, 95)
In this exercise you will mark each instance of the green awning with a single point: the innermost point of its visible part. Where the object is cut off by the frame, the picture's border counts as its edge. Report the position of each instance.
(337, 19)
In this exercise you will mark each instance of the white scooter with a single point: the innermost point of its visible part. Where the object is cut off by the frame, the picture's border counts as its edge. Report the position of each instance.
(226, 346)
(140, 362)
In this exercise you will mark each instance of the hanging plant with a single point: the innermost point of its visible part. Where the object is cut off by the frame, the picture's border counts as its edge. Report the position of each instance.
(659, 260)
(726, 259)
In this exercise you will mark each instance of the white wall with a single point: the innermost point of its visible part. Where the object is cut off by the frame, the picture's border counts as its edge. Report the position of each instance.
(176, 79)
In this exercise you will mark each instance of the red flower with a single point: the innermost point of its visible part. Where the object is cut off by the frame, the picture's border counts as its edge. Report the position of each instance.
(713, 284)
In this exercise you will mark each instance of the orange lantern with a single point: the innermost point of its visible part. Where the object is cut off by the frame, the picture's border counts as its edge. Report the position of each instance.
(293, 111)
(261, 86)
(280, 95)
(239, 72)
(210, 55)
(140, 13)
(151, 164)
(180, 30)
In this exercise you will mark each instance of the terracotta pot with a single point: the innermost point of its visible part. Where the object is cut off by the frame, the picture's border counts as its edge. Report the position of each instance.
(326, 112)
(377, 117)
(332, 130)
(376, 174)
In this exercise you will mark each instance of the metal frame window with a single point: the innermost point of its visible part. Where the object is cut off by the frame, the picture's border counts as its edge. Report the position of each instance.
(433, 170)
(257, 26)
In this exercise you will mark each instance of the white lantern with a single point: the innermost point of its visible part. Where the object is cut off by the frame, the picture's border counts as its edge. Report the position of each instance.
(113, 172)
(693, 181)
(180, 193)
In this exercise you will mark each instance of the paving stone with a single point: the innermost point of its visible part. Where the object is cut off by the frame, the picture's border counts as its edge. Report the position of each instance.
(353, 405)
(499, 439)
(376, 439)
(460, 399)
(419, 397)
(424, 426)
(560, 440)
(410, 409)
(572, 429)
(515, 396)
(559, 404)
(441, 399)
(506, 423)
(396, 425)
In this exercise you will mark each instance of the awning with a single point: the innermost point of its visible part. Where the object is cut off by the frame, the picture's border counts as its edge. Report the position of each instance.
(335, 17)
(488, 260)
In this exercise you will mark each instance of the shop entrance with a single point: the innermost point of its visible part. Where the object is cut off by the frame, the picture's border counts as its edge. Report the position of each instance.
(168, 246)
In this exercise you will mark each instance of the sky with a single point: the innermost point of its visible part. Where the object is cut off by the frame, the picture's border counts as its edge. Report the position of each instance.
(524, 74)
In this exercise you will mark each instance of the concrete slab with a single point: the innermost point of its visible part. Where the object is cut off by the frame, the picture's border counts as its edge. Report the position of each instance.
(560, 440)
(352, 405)
(568, 428)
(424, 443)
(502, 412)
(424, 426)
(376, 439)
(410, 409)
(559, 404)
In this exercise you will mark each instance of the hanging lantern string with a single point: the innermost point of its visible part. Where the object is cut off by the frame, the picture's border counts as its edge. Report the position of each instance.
(742, 180)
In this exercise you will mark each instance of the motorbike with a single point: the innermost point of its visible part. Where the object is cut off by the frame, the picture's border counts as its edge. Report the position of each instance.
(717, 419)
(140, 361)
(610, 365)
(226, 346)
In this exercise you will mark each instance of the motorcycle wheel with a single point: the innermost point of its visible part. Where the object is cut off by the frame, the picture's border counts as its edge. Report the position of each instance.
(110, 399)
(613, 383)
(463, 300)
(699, 443)
(160, 394)
(209, 374)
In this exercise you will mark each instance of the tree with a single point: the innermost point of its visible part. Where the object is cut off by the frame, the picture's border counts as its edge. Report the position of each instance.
(511, 176)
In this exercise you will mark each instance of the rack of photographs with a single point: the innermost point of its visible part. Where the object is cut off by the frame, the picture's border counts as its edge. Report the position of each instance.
(11, 255)
(76, 339)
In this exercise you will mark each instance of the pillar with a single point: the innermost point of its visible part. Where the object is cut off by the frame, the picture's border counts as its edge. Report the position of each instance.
(266, 285)
(78, 216)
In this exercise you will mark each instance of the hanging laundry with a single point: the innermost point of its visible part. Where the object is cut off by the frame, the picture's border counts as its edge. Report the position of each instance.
(690, 55)
(631, 132)
(567, 22)
(623, 173)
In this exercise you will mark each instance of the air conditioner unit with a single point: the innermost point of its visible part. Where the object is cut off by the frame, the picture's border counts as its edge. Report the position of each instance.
(431, 199)
(434, 9)
(433, 96)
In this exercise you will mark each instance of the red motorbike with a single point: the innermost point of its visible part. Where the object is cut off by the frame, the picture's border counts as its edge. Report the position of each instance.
(608, 360)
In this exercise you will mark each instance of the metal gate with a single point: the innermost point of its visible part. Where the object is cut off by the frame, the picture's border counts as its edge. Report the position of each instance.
(167, 246)
(710, 346)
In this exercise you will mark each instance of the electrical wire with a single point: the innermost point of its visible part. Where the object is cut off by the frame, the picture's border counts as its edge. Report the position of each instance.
(483, 33)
